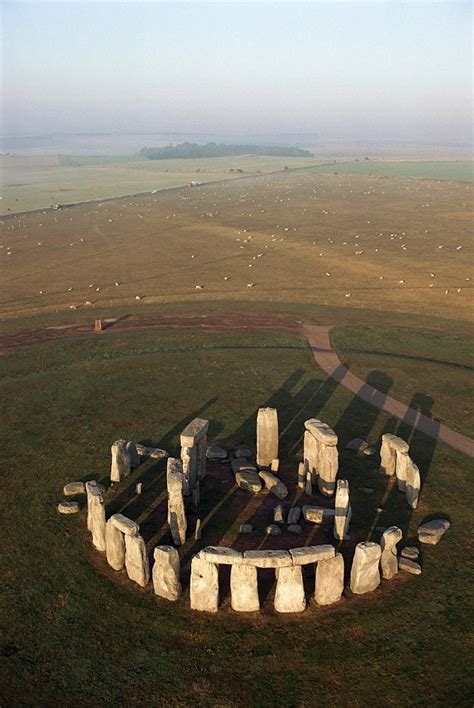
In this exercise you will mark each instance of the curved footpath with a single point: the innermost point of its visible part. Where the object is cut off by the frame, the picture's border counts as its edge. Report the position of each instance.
(327, 359)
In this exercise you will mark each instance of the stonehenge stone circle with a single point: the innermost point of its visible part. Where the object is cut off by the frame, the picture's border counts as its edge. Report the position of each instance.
(388, 559)
(365, 574)
(136, 560)
(320, 454)
(311, 554)
(176, 512)
(125, 525)
(221, 554)
(166, 572)
(289, 592)
(388, 452)
(204, 585)
(244, 588)
(267, 436)
(121, 461)
(114, 546)
(329, 582)
(342, 510)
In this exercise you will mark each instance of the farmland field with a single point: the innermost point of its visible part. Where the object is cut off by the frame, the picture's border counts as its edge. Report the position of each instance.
(461, 171)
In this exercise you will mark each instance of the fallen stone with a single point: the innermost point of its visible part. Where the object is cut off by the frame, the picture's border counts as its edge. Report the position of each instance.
(273, 530)
(244, 589)
(166, 572)
(289, 591)
(357, 444)
(154, 452)
(121, 464)
(312, 554)
(68, 507)
(241, 464)
(410, 566)
(243, 452)
(250, 481)
(274, 485)
(365, 575)
(388, 559)
(74, 488)
(267, 436)
(432, 531)
(268, 559)
(131, 448)
(279, 514)
(294, 515)
(136, 560)
(114, 546)
(329, 583)
(295, 528)
(246, 528)
(411, 552)
(125, 525)
(221, 554)
(216, 452)
(204, 585)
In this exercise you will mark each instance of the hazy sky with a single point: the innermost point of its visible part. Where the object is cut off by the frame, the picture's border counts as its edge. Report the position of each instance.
(352, 70)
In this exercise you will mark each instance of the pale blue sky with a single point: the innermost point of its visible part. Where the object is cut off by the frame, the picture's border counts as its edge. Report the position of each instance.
(376, 70)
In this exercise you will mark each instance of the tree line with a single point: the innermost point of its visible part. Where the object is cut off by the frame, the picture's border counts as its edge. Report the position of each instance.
(190, 150)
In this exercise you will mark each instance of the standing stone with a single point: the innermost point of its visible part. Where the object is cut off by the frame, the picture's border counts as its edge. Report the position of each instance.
(320, 453)
(309, 484)
(136, 560)
(412, 483)
(343, 510)
(96, 515)
(328, 467)
(244, 588)
(388, 559)
(89, 487)
(403, 460)
(329, 580)
(294, 515)
(114, 546)
(301, 475)
(204, 585)
(311, 450)
(176, 512)
(274, 485)
(121, 461)
(166, 571)
(279, 514)
(365, 575)
(189, 461)
(275, 466)
(267, 436)
(139, 488)
(388, 456)
(289, 592)
(194, 436)
(131, 448)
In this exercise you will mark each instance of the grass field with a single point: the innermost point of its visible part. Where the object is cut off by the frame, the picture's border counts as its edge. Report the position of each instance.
(67, 618)
(461, 171)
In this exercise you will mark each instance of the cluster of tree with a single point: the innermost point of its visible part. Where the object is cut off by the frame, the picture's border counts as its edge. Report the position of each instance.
(189, 150)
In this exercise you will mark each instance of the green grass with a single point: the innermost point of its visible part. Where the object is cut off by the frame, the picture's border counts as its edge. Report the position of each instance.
(73, 632)
(458, 171)
(426, 369)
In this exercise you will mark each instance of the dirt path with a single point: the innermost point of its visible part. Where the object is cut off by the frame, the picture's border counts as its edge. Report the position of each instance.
(327, 359)
(316, 335)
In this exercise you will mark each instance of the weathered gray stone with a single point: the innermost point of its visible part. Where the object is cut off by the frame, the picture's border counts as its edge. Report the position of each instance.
(302, 471)
(90, 487)
(388, 452)
(273, 530)
(268, 559)
(131, 448)
(68, 507)
(176, 512)
(250, 481)
(357, 444)
(294, 515)
(412, 483)
(410, 566)
(329, 583)
(121, 461)
(204, 585)
(96, 515)
(279, 514)
(246, 528)
(310, 459)
(114, 546)
(411, 552)
(309, 484)
(216, 452)
(312, 554)
(136, 560)
(155, 453)
(275, 465)
(74, 488)
(321, 432)
(243, 452)
(189, 462)
(327, 469)
(432, 531)
(274, 485)
(267, 436)
(241, 464)
(166, 572)
(313, 514)
(320, 455)
(402, 462)
(295, 528)
(365, 575)
(388, 559)
(221, 554)
(197, 428)
(125, 525)
(342, 510)
(244, 588)
(289, 591)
